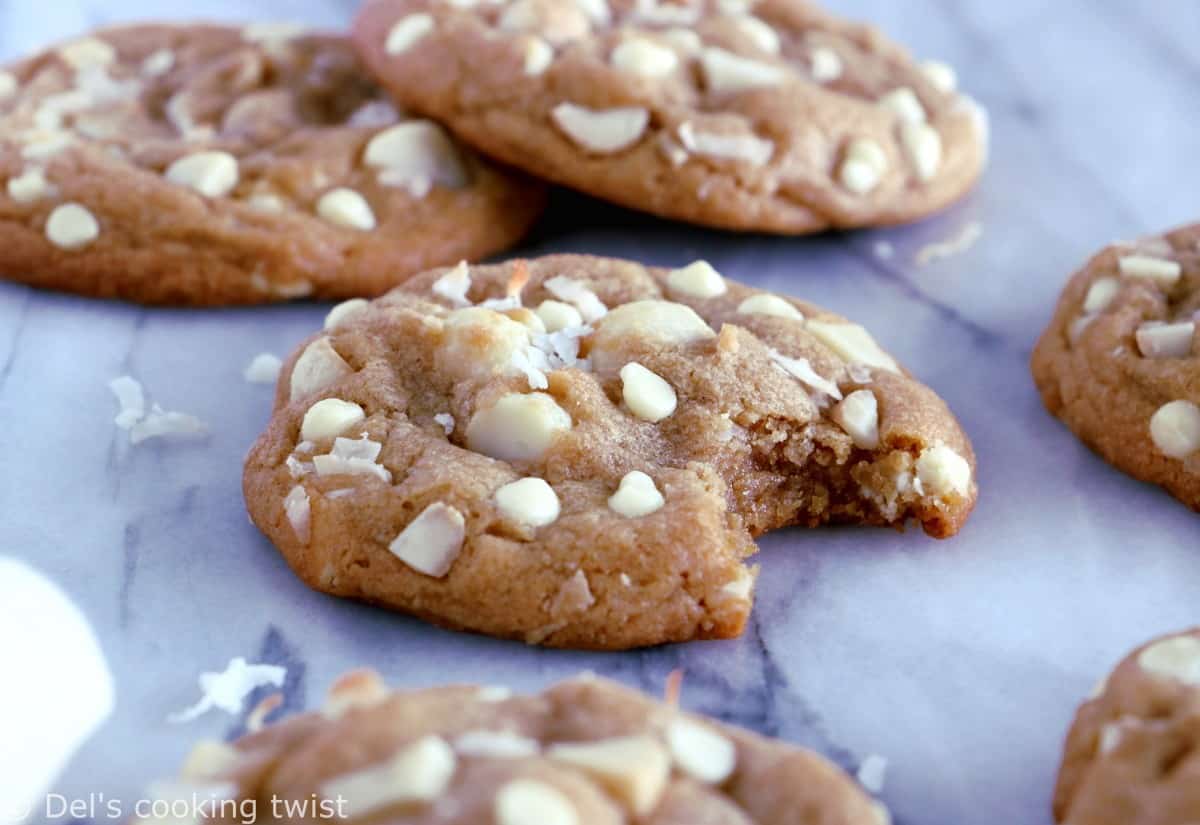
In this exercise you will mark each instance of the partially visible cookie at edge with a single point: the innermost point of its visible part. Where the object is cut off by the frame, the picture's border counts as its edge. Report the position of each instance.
(578, 451)
(586, 751)
(771, 115)
(1120, 363)
(1133, 753)
(197, 164)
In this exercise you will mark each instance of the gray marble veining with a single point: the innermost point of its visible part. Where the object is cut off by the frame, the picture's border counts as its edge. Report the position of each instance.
(961, 662)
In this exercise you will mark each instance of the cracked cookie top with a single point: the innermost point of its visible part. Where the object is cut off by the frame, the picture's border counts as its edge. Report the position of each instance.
(768, 115)
(1119, 362)
(1133, 755)
(578, 451)
(207, 165)
(584, 752)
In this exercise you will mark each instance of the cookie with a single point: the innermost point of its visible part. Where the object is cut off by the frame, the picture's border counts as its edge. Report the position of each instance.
(585, 752)
(211, 165)
(770, 116)
(1133, 755)
(578, 451)
(1120, 365)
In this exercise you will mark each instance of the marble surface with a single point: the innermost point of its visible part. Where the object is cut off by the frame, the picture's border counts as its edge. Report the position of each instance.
(961, 662)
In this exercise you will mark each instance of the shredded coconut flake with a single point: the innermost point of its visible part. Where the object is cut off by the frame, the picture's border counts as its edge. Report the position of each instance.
(228, 690)
(752, 149)
(351, 456)
(132, 399)
(523, 360)
(446, 420)
(264, 369)
(801, 369)
(576, 294)
(453, 286)
(160, 423)
(955, 245)
(157, 423)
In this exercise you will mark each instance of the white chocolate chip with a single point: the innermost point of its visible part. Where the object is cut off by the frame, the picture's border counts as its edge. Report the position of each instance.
(698, 280)
(740, 587)
(664, 322)
(8, 85)
(596, 10)
(1156, 269)
(646, 394)
(852, 343)
(71, 226)
(726, 72)
(406, 31)
(432, 541)
(318, 367)
(330, 417)
(556, 315)
(943, 472)
(348, 208)
(764, 37)
(858, 415)
(538, 56)
(634, 769)
(31, 185)
(863, 166)
(87, 52)
(923, 145)
(1100, 294)
(416, 155)
(209, 759)
(603, 131)
(212, 174)
(158, 63)
(518, 427)
(420, 772)
(1166, 340)
(827, 65)
(683, 40)
(745, 147)
(1175, 429)
(271, 33)
(296, 506)
(263, 369)
(1176, 658)
(344, 311)
(701, 752)
(529, 501)
(636, 496)
(904, 104)
(940, 75)
(361, 688)
(480, 343)
(530, 802)
(666, 14)
(764, 303)
(266, 202)
(496, 744)
(642, 56)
